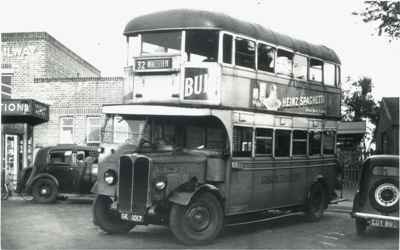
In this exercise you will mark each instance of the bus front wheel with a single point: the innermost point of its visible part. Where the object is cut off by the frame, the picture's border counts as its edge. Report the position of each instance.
(199, 222)
(108, 219)
(316, 202)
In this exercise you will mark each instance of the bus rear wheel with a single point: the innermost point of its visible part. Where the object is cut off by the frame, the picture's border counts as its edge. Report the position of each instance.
(198, 223)
(316, 202)
(109, 220)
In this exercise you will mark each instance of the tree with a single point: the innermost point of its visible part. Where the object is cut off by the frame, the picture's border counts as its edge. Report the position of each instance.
(385, 13)
(359, 105)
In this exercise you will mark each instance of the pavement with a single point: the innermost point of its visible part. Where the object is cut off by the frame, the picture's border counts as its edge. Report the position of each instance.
(344, 202)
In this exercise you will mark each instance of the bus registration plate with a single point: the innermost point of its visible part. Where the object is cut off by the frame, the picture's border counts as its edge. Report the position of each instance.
(132, 217)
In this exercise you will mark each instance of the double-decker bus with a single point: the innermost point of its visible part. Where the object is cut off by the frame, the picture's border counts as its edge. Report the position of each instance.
(223, 122)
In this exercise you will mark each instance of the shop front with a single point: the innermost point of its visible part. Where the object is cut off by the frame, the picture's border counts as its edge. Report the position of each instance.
(19, 116)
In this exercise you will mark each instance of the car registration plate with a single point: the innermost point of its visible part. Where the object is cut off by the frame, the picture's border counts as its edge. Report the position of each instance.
(384, 223)
(132, 217)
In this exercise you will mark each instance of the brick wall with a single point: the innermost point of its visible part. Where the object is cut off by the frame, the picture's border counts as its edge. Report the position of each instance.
(78, 98)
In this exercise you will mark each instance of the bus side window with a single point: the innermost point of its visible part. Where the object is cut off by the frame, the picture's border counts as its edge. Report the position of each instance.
(315, 70)
(245, 54)
(242, 141)
(264, 141)
(299, 142)
(266, 58)
(282, 143)
(314, 143)
(329, 142)
(227, 48)
(284, 62)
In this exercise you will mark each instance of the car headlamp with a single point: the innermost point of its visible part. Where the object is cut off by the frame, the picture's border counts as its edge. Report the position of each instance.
(110, 177)
(160, 185)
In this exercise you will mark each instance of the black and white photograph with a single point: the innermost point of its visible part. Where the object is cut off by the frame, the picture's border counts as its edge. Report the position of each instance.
(260, 124)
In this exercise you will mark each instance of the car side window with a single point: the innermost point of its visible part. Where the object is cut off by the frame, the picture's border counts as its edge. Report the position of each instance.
(385, 171)
(61, 157)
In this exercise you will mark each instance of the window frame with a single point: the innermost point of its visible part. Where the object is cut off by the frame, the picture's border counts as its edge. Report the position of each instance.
(263, 138)
(309, 71)
(234, 53)
(257, 55)
(252, 141)
(88, 118)
(221, 48)
(290, 76)
(300, 140)
(290, 142)
(334, 142)
(307, 67)
(61, 126)
(309, 143)
(334, 73)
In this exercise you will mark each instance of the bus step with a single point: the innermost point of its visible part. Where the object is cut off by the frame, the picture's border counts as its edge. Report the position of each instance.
(255, 218)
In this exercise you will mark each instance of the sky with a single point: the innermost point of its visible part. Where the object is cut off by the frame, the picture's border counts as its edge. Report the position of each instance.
(93, 30)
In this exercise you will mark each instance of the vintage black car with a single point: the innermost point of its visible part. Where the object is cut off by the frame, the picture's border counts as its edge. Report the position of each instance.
(376, 202)
(60, 170)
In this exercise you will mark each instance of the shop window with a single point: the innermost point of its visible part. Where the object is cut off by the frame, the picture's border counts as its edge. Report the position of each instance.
(315, 143)
(282, 143)
(329, 74)
(284, 62)
(66, 130)
(201, 45)
(245, 53)
(266, 58)
(315, 70)
(300, 67)
(264, 141)
(93, 129)
(242, 141)
(299, 142)
(227, 50)
(329, 142)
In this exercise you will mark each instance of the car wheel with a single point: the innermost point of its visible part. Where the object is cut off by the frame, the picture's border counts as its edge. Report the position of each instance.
(361, 226)
(315, 204)
(198, 223)
(108, 219)
(44, 191)
(384, 195)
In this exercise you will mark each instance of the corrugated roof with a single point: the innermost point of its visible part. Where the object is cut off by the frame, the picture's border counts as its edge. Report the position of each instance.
(197, 19)
(392, 106)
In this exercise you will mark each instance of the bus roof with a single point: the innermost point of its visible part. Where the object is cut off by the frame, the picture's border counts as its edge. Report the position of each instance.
(198, 19)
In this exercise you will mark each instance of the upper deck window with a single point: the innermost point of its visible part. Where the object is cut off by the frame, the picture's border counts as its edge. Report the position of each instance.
(266, 57)
(202, 45)
(227, 50)
(161, 42)
(284, 62)
(300, 67)
(245, 54)
(329, 74)
(337, 78)
(315, 70)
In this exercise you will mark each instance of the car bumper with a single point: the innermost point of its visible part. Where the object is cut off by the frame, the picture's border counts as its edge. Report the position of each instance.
(374, 216)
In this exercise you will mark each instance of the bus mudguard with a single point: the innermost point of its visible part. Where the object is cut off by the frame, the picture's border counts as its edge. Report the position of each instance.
(184, 198)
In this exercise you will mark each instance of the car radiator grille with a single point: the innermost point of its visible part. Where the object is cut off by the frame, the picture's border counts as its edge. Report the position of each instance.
(133, 184)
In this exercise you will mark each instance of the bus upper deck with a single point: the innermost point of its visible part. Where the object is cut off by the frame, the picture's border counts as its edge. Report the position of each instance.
(204, 58)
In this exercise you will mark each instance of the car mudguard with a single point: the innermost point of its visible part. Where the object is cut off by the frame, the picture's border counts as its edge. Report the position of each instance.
(184, 198)
(39, 176)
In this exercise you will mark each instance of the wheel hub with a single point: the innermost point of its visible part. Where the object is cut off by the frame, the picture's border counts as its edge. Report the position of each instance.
(198, 218)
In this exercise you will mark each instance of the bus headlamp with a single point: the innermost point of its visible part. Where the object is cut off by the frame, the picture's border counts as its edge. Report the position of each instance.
(160, 185)
(110, 177)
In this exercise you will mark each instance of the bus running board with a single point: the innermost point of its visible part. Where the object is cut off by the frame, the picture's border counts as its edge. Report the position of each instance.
(274, 217)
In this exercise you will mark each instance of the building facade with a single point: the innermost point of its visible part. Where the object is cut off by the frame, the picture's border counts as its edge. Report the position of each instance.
(50, 95)
(387, 130)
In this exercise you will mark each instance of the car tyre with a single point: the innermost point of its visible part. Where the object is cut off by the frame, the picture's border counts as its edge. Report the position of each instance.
(44, 190)
(198, 223)
(107, 219)
(361, 226)
(316, 202)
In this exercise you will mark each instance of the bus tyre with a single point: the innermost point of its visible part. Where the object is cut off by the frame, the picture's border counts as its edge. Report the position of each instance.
(361, 226)
(44, 190)
(316, 202)
(109, 220)
(198, 223)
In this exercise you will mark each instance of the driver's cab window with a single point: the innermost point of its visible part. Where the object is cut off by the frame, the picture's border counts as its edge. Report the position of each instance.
(61, 157)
